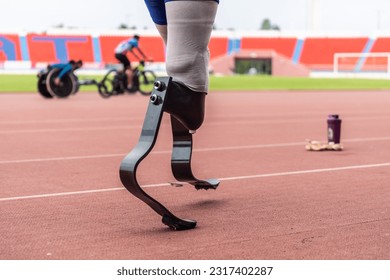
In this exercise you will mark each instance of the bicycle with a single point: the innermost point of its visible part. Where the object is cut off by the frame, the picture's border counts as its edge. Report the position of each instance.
(115, 81)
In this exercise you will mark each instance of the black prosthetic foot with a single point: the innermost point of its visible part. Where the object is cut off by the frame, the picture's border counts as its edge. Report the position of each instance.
(181, 154)
(185, 105)
(181, 158)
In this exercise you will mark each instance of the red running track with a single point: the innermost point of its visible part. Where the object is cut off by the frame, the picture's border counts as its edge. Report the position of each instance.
(61, 197)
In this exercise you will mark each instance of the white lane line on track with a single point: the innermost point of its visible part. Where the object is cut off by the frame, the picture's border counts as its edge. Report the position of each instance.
(236, 178)
(67, 121)
(70, 129)
(306, 115)
(153, 152)
(60, 158)
(125, 127)
(219, 116)
(260, 146)
(212, 123)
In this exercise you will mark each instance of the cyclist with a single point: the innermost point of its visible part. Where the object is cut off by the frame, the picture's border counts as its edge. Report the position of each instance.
(65, 68)
(120, 54)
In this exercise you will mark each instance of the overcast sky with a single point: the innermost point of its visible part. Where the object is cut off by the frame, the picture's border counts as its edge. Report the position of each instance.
(345, 15)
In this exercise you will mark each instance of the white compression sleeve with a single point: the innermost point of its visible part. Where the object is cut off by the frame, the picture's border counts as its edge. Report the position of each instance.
(189, 29)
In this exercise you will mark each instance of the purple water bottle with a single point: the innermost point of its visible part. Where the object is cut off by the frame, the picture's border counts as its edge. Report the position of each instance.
(334, 129)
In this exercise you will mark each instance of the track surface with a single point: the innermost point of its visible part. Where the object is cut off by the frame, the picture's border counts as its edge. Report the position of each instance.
(61, 198)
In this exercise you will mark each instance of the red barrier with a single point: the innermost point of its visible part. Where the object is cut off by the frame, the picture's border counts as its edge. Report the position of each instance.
(53, 49)
(153, 47)
(9, 47)
(381, 45)
(317, 53)
(218, 46)
(284, 46)
(320, 51)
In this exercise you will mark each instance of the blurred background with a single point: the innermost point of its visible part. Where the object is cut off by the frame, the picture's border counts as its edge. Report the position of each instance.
(300, 38)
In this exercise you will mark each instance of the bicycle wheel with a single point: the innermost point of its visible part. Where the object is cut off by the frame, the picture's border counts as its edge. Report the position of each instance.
(103, 91)
(67, 86)
(42, 87)
(109, 85)
(146, 82)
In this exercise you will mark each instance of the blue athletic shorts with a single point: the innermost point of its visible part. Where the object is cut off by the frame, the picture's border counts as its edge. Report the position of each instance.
(157, 10)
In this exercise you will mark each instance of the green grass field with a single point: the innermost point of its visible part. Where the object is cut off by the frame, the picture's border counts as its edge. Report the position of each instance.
(289, 83)
(28, 83)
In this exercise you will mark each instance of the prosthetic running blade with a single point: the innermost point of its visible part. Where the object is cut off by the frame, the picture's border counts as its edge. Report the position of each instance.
(181, 157)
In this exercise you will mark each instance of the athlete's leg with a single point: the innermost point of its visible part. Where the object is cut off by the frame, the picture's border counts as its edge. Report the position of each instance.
(191, 32)
(188, 25)
(189, 28)
(126, 68)
(185, 27)
(163, 30)
(157, 12)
